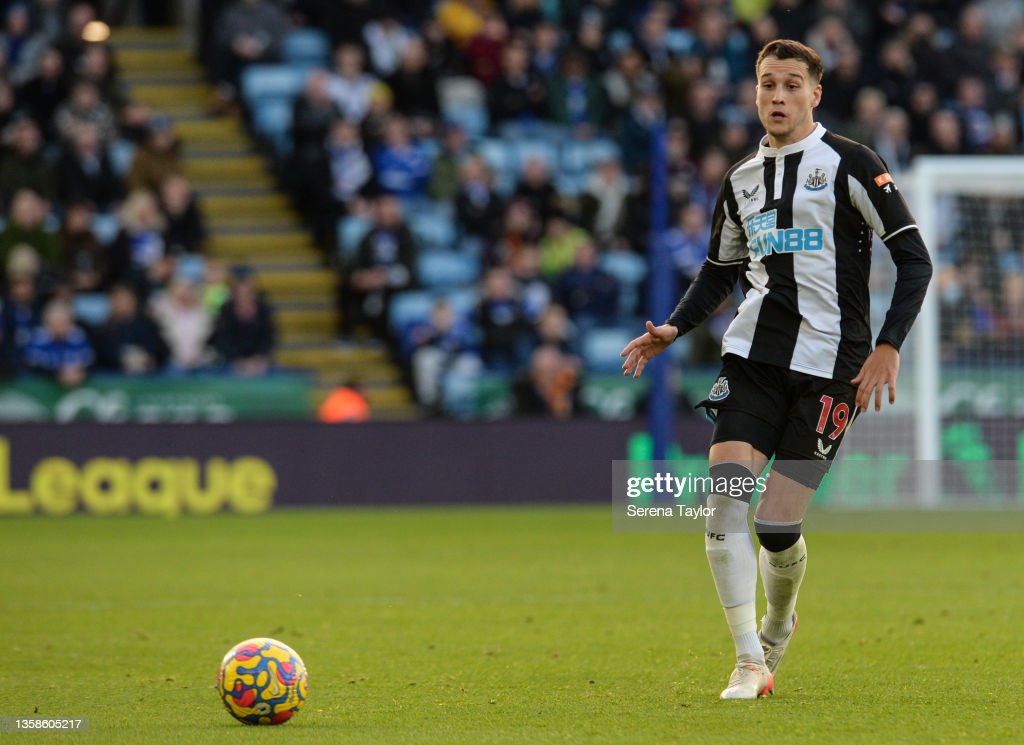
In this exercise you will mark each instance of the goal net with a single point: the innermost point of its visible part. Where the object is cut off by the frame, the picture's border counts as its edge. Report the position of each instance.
(956, 436)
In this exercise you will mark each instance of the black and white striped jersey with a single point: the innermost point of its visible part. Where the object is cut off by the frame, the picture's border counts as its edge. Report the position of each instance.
(799, 221)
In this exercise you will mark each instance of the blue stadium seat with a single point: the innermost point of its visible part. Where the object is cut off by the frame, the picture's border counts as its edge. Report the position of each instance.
(464, 102)
(527, 150)
(581, 156)
(679, 41)
(471, 117)
(191, 266)
(447, 269)
(500, 156)
(630, 270)
(627, 267)
(273, 120)
(432, 230)
(272, 82)
(618, 40)
(409, 307)
(92, 309)
(463, 300)
(121, 153)
(307, 45)
(600, 348)
(106, 227)
(351, 230)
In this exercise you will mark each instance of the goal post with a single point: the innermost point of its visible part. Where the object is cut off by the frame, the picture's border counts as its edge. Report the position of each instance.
(967, 350)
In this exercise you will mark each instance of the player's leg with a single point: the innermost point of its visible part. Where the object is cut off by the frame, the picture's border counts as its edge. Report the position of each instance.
(745, 400)
(815, 429)
(782, 560)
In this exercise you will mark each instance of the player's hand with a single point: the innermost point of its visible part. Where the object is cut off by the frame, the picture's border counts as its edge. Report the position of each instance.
(880, 369)
(647, 346)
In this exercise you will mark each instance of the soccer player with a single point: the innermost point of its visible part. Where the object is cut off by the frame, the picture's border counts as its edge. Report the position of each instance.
(794, 223)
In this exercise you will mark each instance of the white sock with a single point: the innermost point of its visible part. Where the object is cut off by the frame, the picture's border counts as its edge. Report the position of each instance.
(782, 572)
(734, 568)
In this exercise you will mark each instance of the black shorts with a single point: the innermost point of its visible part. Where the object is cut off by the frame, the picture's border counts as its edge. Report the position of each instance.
(800, 419)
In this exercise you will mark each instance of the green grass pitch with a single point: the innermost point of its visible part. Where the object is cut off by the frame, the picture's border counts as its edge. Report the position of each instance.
(503, 625)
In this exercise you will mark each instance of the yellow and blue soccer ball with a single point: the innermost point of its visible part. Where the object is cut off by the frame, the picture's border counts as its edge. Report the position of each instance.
(262, 681)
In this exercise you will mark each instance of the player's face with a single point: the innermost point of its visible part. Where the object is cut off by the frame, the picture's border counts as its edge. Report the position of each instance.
(786, 97)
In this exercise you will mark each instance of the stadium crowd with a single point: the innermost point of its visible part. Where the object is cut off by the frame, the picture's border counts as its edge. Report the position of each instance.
(463, 111)
(477, 171)
(101, 245)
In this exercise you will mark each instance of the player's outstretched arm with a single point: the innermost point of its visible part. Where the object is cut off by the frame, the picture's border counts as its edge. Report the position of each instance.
(647, 346)
(879, 370)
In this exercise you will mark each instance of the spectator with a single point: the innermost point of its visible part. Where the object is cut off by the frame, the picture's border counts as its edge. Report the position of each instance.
(534, 291)
(85, 169)
(554, 328)
(590, 39)
(503, 323)
(414, 84)
(249, 31)
(892, 142)
(520, 230)
(21, 315)
(139, 253)
(185, 231)
(710, 172)
(8, 104)
(971, 50)
(350, 86)
(704, 124)
(603, 205)
(97, 65)
(244, 332)
(973, 110)
(477, 207)
(483, 53)
(129, 341)
(575, 98)
(461, 20)
(25, 226)
(86, 261)
(536, 188)
(43, 93)
(515, 93)
(85, 106)
(386, 39)
(644, 114)
(313, 113)
(157, 158)
(444, 179)
(400, 165)
(945, 133)
(924, 102)
(896, 74)
(558, 246)
(23, 163)
(868, 108)
(441, 347)
(839, 86)
(384, 264)
(59, 348)
(550, 384)
(588, 293)
(71, 43)
(624, 82)
(547, 46)
(185, 325)
(20, 46)
(687, 243)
